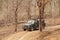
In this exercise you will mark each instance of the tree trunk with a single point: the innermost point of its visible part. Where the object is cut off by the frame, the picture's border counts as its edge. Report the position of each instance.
(41, 13)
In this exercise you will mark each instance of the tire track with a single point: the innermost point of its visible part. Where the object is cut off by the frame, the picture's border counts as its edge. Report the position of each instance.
(30, 36)
(23, 36)
(15, 36)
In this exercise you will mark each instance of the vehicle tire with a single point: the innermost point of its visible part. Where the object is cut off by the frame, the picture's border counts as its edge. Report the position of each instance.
(24, 29)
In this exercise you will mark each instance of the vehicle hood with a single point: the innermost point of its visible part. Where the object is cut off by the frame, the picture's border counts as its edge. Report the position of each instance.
(27, 24)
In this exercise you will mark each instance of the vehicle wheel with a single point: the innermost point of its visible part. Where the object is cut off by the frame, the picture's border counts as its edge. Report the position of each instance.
(24, 29)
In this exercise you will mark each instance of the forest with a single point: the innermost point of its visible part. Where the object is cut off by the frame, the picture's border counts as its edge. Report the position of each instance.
(15, 13)
(28, 9)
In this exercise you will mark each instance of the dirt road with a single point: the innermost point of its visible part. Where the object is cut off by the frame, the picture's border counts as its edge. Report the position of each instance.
(49, 33)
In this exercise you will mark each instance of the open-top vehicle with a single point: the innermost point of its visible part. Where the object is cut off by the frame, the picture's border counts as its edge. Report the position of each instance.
(31, 25)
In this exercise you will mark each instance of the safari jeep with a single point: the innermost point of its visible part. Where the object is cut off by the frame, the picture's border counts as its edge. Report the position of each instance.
(31, 25)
